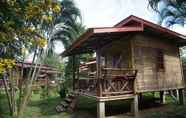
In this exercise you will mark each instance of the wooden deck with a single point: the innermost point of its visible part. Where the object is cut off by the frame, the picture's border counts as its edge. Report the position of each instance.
(115, 84)
(109, 98)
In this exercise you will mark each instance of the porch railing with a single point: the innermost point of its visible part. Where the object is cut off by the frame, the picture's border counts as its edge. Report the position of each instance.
(113, 81)
(117, 81)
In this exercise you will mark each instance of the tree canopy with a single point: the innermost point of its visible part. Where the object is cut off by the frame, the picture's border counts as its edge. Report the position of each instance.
(170, 11)
(24, 24)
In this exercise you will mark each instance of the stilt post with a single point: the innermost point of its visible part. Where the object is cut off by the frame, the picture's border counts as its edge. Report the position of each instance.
(162, 97)
(98, 73)
(140, 97)
(100, 109)
(134, 105)
(181, 96)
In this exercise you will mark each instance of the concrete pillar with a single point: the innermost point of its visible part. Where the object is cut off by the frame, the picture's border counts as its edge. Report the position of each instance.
(134, 105)
(181, 96)
(162, 97)
(100, 109)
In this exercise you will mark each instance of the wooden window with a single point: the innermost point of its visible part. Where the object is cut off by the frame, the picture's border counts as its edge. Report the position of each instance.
(160, 60)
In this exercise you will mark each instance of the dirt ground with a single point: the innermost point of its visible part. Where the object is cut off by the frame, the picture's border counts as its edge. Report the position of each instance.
(147, 106)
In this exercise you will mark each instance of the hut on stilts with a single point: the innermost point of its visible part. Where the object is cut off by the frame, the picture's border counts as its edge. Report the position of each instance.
(132, 57)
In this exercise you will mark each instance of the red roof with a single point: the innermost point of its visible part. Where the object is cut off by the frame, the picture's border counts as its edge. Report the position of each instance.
(94, 38)
(44, 68)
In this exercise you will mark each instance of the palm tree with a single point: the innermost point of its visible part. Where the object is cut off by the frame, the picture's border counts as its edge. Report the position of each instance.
(68, 25)
(170, 11)
(67, 29)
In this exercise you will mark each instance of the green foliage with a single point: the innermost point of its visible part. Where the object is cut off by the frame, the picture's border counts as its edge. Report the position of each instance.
(170, 11)
(67, 31)
(53, 60)
(68, 28)
(24, 22)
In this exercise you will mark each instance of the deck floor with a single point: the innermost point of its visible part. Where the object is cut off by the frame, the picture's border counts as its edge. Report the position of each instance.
(104, 98)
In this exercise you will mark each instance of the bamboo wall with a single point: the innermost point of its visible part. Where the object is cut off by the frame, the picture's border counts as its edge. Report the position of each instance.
(149, 77)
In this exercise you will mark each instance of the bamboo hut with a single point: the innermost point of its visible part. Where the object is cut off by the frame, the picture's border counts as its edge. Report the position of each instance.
(132, 57)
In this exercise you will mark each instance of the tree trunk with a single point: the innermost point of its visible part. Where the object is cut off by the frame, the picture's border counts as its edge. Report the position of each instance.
(7, 91)
(28, 87)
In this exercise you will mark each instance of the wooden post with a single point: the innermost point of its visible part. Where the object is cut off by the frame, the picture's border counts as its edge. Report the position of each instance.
(134, 105)
(177, 94)
(100, 109)
(181, 96)
(140, 97)
(73, 71)
(162, 97)
(98, 75)
(181, 91)
(47, 85)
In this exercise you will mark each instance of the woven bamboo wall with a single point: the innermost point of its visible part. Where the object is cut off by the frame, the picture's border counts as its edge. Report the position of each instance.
(149, 77)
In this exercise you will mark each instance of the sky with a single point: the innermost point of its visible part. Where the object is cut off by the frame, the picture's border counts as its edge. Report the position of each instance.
(97, 13)
(103, 13)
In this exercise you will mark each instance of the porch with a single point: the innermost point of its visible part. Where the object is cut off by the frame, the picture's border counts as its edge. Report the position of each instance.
(107, 84)
(114, 83)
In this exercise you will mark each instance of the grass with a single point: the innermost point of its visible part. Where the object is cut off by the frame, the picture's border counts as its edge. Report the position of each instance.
(37, 107)
(86, 108)
(174, 112)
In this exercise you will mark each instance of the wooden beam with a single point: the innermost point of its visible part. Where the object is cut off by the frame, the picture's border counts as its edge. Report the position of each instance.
(119, 97)
(98, 75)
(117, 30)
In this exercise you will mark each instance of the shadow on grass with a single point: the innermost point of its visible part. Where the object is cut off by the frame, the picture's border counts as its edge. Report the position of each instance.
(4, 108)
(89, 105)
(86, 107)
(46, 106)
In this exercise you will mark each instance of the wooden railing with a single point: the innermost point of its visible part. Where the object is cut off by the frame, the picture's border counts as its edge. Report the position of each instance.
(113, 81)
(86, 86)
(118, 81)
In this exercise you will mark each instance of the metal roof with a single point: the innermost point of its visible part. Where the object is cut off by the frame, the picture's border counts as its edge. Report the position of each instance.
(95, 38)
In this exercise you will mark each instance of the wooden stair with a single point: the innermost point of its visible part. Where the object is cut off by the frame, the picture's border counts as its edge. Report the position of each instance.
(68, 104)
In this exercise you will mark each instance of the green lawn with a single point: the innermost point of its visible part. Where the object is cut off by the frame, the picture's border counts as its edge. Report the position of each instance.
(86, 108)
(37, 108)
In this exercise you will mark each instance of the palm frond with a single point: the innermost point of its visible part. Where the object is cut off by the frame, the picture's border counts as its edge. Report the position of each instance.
(173, 11)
